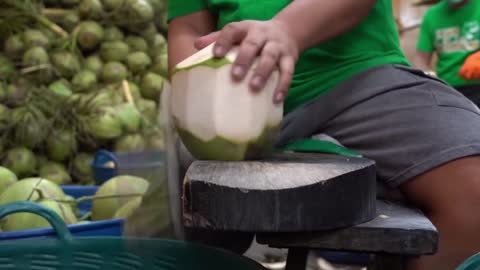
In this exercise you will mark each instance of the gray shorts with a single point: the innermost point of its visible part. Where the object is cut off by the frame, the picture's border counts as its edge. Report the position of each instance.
(406, 121)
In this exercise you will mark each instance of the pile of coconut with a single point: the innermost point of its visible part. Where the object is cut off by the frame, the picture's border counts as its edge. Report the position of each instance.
(77, 76)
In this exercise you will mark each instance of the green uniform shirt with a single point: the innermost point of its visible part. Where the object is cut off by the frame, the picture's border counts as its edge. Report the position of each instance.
(372, 43)
(454, 35)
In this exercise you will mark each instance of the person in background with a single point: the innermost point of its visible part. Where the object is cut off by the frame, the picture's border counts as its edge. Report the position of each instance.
(343, 73)
(451, 29)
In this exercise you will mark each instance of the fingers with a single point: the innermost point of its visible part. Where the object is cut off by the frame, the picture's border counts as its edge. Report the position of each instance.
(287, 68)
(250, 48)
(204, 41)
(230, 35)
(267, 63)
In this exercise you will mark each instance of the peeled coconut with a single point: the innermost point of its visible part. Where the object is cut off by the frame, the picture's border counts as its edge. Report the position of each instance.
(123, 189)
(31, 189)
(7, 178)
(27, 221)
(55, 172)
(127, 209)
(217, 118)
(20, 161)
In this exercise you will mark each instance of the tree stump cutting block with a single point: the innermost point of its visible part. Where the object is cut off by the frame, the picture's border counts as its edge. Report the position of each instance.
(286, 193)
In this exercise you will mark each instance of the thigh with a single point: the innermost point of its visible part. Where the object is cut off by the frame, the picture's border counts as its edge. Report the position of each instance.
(406, 121)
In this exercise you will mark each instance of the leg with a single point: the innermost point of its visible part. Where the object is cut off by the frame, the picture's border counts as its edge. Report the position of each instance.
(450, 196)
(297, 259)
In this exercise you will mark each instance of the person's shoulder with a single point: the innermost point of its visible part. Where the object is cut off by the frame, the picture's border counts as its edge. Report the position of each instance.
(438, 9)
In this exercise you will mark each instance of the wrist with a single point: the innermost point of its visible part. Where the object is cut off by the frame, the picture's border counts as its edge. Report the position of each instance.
(295, 38)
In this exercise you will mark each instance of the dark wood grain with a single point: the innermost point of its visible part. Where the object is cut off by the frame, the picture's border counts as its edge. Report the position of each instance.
(396, 230)
(285, 193)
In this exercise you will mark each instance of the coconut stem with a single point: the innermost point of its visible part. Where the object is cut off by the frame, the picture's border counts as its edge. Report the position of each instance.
(54, 12)
(127, 92)
(90, 198)
(34, 68)
(52, 26)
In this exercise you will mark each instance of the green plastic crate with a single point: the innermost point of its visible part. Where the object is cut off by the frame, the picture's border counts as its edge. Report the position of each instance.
(108, 253)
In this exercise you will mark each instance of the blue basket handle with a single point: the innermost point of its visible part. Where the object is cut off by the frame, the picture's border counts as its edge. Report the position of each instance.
(53, 218)
(104, 156)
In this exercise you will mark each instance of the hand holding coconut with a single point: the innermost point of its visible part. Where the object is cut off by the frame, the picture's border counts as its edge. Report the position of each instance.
(270, 41)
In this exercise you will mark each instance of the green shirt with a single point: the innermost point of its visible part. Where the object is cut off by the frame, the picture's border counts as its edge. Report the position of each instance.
(454, 35)
(372, 43)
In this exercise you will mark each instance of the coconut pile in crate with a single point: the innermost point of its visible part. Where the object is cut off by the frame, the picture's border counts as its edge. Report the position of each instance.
(77, 76)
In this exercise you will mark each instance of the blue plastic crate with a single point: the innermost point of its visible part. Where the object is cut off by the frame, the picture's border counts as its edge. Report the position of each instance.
(113, 227)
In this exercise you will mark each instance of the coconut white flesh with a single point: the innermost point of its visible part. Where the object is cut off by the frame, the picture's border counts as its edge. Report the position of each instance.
(209, 104)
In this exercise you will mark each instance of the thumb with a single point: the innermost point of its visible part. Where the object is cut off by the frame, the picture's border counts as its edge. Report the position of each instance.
(204, 41)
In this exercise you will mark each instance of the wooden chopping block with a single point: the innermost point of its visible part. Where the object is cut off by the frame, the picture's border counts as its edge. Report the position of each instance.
(291, 192)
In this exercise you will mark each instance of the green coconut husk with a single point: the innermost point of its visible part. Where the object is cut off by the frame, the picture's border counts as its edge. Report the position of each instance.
(66, 63)
(35, 38)
(137, 43)
(61, 144)
(14, 46)
(91, 9)
(31, 126)
(61, 88)
(55, 172)
(94, 63)
(152, 86)
(138, 62)
(81, 168)
(111, 51)
(131, 143)
(84, 81)
(90, 35)
(21, 161)
(7, 69)
(114, 72)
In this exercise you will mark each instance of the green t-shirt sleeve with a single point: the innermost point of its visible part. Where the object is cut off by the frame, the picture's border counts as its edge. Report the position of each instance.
(426, 40)
(177, 8)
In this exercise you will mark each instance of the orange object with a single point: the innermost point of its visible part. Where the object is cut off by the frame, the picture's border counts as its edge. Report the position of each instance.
(471, 68)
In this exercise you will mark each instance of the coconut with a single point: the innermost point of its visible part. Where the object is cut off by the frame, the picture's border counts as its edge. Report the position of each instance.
(82, 169)
(61, 145)
(138, 10)
(161, 65)
(35, 56)
(16, 94)
(66, 63)
(114, 51)
(20, 161)
(137, 44)
(113, 33)
(7, 177)
(14, 46)
(129, 116)
(70, 21)
(105, 124)
(91, 9)
(27, 221)
(152, 85)
(155, 140)
(218, 118)
(138, 62)
(7, 68)
(158, 45)
(128, 209)
(4, 118)
(35, 38)
(123, 188)
(31, 189)
(158, 6)
(89, 35)
(84, 81)
(30, 128)
(60, 88)
(112, 5)
(148, 108)
(114, 72)
(94, 64)
(41, 160)
(132, 143)
(55, 172)
(70, 2)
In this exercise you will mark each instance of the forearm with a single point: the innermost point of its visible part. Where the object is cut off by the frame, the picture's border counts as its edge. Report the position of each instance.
(183, 32)
(312, 22)
(422, 60)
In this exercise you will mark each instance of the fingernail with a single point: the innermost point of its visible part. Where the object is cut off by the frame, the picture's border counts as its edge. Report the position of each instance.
(257, 82)
(279, 97)
(219, 50)
(238, 71)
